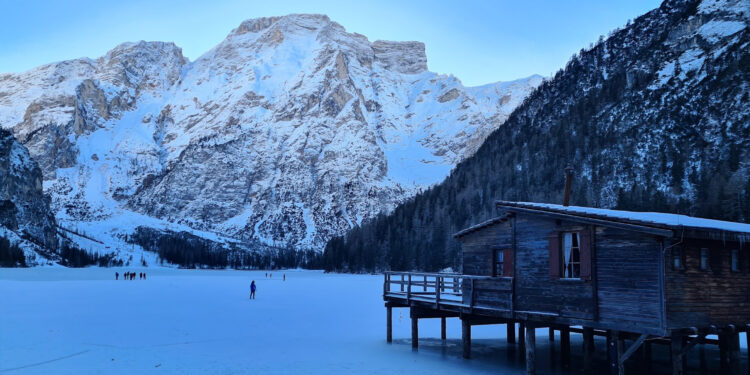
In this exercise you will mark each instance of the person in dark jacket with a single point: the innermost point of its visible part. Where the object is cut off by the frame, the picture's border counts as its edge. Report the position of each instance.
(252, 290)
(117, 275)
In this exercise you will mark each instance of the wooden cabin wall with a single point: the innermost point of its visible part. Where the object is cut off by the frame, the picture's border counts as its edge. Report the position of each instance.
(698, 298)
(536, 290)
(629, 289)
(477, 247)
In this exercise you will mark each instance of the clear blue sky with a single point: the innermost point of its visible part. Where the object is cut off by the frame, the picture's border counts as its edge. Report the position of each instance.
(477, 41)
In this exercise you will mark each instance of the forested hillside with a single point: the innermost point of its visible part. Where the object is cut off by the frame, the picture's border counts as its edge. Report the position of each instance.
(654, 118)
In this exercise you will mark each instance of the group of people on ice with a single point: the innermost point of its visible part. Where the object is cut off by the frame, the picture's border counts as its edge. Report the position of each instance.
(253, 288)
(130, 276)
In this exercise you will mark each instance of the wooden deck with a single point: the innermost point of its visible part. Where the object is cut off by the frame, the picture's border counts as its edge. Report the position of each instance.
(475, 300)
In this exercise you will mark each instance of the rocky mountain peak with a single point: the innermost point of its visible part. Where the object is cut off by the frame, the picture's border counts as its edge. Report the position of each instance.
(403, 57)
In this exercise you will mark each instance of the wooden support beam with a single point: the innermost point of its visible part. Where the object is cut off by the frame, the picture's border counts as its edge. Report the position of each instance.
(633, 348)
(565, 346)
(443, 334)
(733, 346)
(588, 348)
(747, 345)
(614, 351)
(414, 332)
(466, 337)
(530, 344)
(677, 346)
(723, 357)
(389, 324)
(521, 334)
(551, 334)
(510, 332)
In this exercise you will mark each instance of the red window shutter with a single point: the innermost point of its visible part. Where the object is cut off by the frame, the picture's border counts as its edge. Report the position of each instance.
(508, 259)
(554, 254)
(586, 254)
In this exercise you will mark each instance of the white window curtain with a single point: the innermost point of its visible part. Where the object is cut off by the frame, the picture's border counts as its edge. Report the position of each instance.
(567, 250)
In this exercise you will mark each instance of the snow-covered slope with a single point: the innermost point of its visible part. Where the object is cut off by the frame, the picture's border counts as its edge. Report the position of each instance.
(288, 132)
(26, 220)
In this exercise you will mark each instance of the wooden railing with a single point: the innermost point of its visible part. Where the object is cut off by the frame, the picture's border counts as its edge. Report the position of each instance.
(437, 288)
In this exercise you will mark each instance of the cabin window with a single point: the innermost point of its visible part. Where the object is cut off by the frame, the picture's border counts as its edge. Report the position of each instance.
(735, 260)
(499, 263)
(571, 256)
(676, 258)
(704, 259)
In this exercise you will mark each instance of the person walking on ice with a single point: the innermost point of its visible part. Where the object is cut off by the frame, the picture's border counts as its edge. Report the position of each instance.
(252, 290)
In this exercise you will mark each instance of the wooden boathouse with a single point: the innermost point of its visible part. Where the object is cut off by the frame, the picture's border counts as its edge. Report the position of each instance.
(636, 278)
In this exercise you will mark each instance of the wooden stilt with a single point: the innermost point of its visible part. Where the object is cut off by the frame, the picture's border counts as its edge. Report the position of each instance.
(647, 353)
(702, 358)
(565, 346)
(734, 352)
(551, 334)
(466, 337)
(620, 357)
(414, 332)
(747, 345)
(389, 324)
(588, 348)
(443, 334)
(723, 357)
(676, 350)
(613, 353)
(530, 342)
(521, 334)
(510, 333)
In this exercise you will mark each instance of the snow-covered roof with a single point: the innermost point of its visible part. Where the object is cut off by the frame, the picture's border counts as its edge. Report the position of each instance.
(481, 225)
(658, 219)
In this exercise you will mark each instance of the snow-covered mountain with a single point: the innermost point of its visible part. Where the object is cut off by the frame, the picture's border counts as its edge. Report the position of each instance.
(288, 132)
(656, 117)
(26, 221)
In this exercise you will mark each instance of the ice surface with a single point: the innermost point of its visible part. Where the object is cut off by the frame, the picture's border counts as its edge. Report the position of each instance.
(72, 321)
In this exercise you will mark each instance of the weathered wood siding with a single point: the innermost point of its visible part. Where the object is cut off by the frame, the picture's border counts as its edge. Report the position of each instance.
(629, 289)
(477, 247)
(697, 298)
(536, 291)
(477, 260)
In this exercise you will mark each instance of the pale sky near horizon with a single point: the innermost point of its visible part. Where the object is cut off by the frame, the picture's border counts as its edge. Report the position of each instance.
(477, 41)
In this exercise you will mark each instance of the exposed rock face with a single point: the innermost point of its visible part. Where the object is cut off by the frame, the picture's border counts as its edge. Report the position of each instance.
(24, 210)
(288, 132)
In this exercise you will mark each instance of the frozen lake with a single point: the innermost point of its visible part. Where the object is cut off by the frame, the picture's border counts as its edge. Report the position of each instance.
(57, 320)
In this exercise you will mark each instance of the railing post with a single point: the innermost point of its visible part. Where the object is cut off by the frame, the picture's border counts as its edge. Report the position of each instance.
(425, 283)
(408, 289)
(471, 296)
(402, 283)
(455, 285)
(437, 292)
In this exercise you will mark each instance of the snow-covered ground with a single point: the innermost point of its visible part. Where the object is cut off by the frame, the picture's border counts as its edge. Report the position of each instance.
(62, 321)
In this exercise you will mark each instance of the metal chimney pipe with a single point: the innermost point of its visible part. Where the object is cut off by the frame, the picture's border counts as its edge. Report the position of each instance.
(568, 178)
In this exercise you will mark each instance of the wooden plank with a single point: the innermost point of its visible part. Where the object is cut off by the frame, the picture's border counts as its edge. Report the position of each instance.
(530, 346)
(466, 338)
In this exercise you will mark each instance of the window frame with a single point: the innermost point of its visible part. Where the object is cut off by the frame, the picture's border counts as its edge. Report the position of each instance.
(734, 261)
(677, 253)
(498, 253)
(572, 263)
(704, 260)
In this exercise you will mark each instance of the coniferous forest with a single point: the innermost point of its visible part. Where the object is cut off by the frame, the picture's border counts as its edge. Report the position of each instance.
(635, 139)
